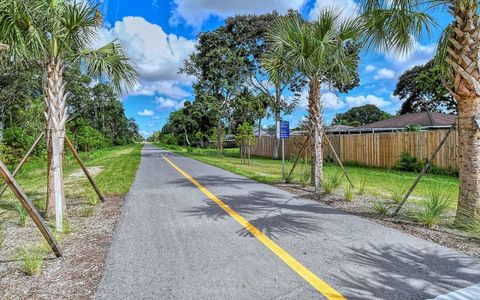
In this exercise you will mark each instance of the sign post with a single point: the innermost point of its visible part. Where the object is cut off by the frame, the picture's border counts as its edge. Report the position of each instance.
(284, 134)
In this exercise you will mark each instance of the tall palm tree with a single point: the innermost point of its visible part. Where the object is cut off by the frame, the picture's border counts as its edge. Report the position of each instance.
(323, 51)
(54, 34)
(395, 24)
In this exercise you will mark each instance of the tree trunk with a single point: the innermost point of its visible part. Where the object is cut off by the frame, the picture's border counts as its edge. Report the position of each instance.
(2, 124)
(316, 132)
(276, 140)
(56, 118)
(463, 58)
(219, 139)
(186, 136)
(259, 127)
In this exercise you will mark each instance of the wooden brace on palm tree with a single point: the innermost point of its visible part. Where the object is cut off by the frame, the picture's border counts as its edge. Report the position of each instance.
(30, 208)
(75, 154)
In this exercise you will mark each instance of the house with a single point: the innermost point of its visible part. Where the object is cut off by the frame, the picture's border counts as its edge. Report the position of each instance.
(426, 120)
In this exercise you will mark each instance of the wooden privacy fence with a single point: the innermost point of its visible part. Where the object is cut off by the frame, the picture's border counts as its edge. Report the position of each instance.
(375, 149)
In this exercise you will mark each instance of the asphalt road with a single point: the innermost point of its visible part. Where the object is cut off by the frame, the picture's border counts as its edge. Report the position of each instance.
(174, 242)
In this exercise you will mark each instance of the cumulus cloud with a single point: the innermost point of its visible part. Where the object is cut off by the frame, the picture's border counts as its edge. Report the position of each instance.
(167, 104)
(330, 100)
(370, 68)
(347, 8)
(363, 100)
(196, 12)
(384, 73)
(146, 113)
(419, 55)
(156, 55)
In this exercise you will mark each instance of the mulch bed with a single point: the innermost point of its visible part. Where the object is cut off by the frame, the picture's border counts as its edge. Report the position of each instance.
(78, 273)
(362, 206)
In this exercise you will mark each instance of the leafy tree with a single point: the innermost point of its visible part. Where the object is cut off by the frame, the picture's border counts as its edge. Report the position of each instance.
(361, 115)
(421, 89)
(245, 139)
(323, 51)
(250, 39)
(56, 34)
(393, 25)
(220, 71)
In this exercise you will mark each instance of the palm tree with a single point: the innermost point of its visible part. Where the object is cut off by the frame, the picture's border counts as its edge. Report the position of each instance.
(55, 34)
(395, 24)
(323, 51)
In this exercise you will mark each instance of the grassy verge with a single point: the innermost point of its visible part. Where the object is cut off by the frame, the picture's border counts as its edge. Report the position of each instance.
(115, 170)
(376, 182)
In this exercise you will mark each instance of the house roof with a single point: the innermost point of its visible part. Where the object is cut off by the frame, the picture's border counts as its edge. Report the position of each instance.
(424, 119)
(338, 128)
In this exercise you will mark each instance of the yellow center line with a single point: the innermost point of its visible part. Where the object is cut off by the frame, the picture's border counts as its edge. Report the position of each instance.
(317, 283)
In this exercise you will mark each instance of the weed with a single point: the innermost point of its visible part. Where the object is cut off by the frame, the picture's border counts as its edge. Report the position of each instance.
(92, 198)
(396, 195)
(331, 184)
(87, 211)
(22, 214)
(31, 259)
(2, 235)
(433, 209)
(362, 186)
(348, 193)
(381, 208)
(40, 204)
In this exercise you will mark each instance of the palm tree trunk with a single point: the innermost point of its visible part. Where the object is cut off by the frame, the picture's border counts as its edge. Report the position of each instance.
(276, 140)
(56, 118)
(316, 133)
(463, 58)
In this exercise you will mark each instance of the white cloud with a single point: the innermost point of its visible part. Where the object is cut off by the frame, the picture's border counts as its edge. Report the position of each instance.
(167, 104)
(370, 68)
(156, 55)
(330, 100)
(419, 55)
(146, 113)
(196, 12)
(363, 100)
(384, 73)
(146, 133)
(347, 8)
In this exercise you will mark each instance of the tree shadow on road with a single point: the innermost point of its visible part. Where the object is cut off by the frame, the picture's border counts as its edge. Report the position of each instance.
(405, 272)
(269, 212)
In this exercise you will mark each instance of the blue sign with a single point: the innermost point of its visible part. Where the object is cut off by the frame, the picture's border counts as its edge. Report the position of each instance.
(284, 129)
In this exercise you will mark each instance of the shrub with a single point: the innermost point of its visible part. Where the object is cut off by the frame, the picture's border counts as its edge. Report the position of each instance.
(381, 208)
(31, 259)
(433, 209)
(408, 163)
(331, 184)
(348, 193)
(22, 214)
(413, 128)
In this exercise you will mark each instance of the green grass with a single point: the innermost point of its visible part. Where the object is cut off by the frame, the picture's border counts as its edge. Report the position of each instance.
(372, 181)
(118, 166)
(31, 258)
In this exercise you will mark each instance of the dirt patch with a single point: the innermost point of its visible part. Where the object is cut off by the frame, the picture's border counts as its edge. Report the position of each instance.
(362, 206)
(77, 274)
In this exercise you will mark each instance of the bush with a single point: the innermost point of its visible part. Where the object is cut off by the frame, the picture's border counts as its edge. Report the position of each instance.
(433, 209)
(88, 139)
(408, 163)
(413, 128)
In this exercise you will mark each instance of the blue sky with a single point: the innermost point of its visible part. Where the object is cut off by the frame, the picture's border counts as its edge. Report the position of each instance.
(159, 34)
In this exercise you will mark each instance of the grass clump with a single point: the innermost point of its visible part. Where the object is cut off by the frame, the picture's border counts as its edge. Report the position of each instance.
(31, 259)
(87, 211)
(362, 187)
(348, 193)
(331, 184)
(380, 208)
(433, 209)
(396, 195)
(2, 235)
(22, 214)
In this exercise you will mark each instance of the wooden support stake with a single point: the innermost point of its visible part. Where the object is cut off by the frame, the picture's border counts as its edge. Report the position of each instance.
(296, 160)
(22, 162)
(424, 170)
(339, 161)
(85, 171)
(32, 212)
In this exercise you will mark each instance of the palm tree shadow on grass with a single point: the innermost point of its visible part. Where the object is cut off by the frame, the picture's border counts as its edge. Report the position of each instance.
(405, 272)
